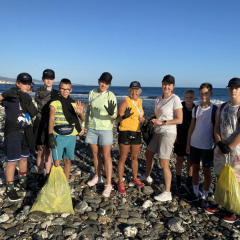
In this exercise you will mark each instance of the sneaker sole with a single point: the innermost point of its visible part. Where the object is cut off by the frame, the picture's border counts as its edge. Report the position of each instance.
(163, 200)
(91, 185)
(229, 221)
(11, 200)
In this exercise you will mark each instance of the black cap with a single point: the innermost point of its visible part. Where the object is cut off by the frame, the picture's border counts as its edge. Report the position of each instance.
(135, 84)
(24, 78)
(170, 79)
(106, 76)
(234, 82)
(48, 73)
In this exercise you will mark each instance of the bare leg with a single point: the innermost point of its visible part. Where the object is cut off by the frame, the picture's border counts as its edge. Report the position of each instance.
(123, 149)
(180, 160)
(164, 163)
(106, 151)
(23, 165)
(67, 168)
(134, 159)
(149, 162)
(196, 169)
(40, 158)
(48, 159)
(207, 178)
(10, 170)
(190, 167)
(96, 158)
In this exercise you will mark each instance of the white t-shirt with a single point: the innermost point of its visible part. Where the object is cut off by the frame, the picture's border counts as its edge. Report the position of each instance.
(164, 110)
(202, 136)
(229, 126)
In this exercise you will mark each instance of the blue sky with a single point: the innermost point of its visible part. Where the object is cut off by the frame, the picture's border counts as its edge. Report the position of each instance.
(134, 40)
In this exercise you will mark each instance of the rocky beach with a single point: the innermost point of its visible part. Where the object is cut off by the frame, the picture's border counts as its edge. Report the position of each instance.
(135, 215)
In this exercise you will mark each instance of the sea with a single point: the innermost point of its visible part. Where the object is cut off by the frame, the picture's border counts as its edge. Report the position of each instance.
(148, 94)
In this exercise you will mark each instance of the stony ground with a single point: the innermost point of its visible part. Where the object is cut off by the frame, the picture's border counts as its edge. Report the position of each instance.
(134, 216)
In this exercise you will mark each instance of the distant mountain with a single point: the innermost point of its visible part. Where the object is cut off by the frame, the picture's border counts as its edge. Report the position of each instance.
(35, 81)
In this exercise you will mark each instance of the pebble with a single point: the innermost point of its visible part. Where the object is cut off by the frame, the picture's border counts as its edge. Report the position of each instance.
(175, 225)
(130, 232)
(147, 204)
(4, 217)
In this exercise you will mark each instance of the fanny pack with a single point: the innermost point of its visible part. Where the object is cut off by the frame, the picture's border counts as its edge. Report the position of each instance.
(64, 129)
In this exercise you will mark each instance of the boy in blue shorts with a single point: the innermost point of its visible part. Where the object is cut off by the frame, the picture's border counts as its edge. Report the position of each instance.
(18, 132)
(181, 141)
(200, 143)
(64, 126)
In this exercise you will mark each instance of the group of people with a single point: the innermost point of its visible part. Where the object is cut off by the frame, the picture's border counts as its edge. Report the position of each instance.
(193, 131)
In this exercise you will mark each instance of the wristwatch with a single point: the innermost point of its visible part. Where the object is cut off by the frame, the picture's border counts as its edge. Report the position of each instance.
(164, 122)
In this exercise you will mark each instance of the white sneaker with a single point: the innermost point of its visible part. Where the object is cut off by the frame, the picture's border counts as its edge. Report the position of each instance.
(95, 180)
(148, 179)
(164, 197)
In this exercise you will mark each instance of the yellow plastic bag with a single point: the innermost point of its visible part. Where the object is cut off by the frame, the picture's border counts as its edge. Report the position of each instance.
(227, 192)
(55, 196)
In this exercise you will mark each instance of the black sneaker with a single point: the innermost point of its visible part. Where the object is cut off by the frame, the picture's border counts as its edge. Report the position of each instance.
(215, 209)
(202, 203)
(12, 195)
(40, 181)
(230, 217)
(181, 191)
(191, 198)
(22, 186)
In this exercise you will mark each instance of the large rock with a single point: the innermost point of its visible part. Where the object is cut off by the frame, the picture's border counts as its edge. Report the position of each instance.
(147, 190)
(175, 225)
(81, 207)
(147, 204)
(4, 217)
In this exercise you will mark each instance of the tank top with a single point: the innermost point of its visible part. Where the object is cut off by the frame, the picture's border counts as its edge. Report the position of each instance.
(132, 123)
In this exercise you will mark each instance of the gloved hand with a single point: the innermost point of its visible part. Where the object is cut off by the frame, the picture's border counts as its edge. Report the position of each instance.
(225, 149)
(111, 107)
(12, 92)
(52, 143)
(127, 113)
(43, 92)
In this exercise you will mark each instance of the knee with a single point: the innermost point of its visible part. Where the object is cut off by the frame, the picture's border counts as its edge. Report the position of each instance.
(67, 161)
(107, 159)
(134, 158)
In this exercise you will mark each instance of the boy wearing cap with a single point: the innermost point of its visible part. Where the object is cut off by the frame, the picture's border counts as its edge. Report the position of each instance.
(18, 132)
(200, 143)
(227, 136)
(43, 97)
(64, 126)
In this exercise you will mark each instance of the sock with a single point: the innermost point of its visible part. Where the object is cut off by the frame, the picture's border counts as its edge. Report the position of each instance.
(10, 186)
(196, 189)
(204, 194)
(22, 177)
(189, 181)
(178, 181)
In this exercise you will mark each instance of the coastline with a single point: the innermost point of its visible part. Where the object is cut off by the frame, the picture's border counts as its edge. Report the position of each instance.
(134, 216)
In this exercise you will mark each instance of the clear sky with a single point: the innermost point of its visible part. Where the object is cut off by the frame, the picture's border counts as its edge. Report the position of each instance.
(142, 40)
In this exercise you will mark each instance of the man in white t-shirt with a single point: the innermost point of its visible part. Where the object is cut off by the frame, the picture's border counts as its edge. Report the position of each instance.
(200, 143)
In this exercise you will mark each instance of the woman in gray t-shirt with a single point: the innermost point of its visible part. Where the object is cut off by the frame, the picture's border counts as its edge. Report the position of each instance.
(168, 112)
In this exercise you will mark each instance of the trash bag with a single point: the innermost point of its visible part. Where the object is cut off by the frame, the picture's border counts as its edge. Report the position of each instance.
(227, 192)
(55, 196)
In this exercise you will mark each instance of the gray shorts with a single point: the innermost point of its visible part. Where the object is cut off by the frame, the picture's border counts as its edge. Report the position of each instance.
(162, 143)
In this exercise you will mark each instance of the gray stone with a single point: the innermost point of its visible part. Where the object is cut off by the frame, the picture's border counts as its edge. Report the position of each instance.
(166, 214)
(68, 231)
(37, 216)
(92, 215)
(2, 233)
(11, 231)
(81, 207)
(175, 225)
(91, 222)
(158, 226)
(147, 190)
(134, 220)
(130, 232)
(122, 220)
(57, 231)
(4, 217)
(58, 221)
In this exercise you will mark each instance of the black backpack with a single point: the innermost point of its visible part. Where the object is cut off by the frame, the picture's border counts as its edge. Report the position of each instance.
(147, 130)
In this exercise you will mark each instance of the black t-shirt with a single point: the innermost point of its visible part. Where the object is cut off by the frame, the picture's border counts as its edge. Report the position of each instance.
(182, 129)
(15, 113)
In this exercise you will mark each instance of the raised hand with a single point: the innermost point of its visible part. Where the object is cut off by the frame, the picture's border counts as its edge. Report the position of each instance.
(111, 107)
(43, 92)
(127, 113)
(12, 92)
(79, 107)
(52, 143)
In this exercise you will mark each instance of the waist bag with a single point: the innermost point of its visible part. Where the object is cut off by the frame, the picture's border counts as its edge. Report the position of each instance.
(64, 129)
(132, 135)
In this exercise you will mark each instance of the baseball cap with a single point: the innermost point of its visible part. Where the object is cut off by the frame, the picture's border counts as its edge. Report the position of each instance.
(24, 78)
(234, 82)
(135, 84)
(48, 73)
(170, 79)
(106, 76)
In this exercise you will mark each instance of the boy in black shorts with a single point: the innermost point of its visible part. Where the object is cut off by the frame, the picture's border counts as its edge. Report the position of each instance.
(43, 97)
(200, 143)
(181, 141)
(18, 132)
